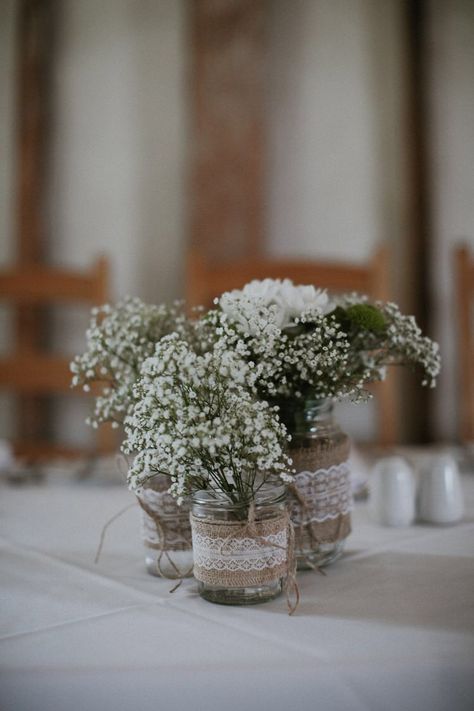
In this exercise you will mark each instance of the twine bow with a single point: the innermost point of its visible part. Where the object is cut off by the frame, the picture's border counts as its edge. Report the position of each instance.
(164, 549)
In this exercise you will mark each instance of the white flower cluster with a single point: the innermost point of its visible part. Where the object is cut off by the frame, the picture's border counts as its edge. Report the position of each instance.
(304, 347)
(119, 339)
(197, 419)
(399, 342)
(403, 343)
(193, 395)
(267, 322)
(278, 301)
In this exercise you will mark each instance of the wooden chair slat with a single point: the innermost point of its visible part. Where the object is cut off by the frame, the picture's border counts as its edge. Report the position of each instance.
(33, 374)
(40, 285)
(206, 280)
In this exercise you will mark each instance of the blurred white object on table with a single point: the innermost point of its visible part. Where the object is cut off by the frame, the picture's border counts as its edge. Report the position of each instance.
(392, 492)
(7, 459)
(440, 496)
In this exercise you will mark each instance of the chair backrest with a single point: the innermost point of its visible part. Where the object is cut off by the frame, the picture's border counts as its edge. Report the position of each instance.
(29, 371)
(464, 285)
(206, 280)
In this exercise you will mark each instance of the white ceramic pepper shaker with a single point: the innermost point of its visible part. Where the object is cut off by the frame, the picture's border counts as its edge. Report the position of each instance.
(392, 492)
(440, 496)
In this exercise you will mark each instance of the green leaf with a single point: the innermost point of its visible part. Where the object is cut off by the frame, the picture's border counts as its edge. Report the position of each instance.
(366, 317)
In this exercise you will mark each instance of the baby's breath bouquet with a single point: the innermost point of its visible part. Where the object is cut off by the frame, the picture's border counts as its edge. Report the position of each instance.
(119, 339)
(197, 420)
(308, 346)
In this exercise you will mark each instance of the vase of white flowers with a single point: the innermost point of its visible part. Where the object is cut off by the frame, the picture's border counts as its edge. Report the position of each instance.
(224, 403)
(197, 420)
(307, 351)
(119, 339)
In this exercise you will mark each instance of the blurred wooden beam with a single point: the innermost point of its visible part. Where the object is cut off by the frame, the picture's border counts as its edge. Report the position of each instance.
(34, 46)
(228, 63)
(34, 55)
(419, 246)
(464, 285)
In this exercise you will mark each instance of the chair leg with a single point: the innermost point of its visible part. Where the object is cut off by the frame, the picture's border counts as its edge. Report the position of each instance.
(387, 404)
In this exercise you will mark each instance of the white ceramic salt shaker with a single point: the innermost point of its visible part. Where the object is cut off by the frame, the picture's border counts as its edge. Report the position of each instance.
(392, 492)
(7, 459)
(440, 496)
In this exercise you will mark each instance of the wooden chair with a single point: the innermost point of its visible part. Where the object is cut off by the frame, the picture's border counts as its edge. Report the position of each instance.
(29, 371)
(206, 280)
(464, 285)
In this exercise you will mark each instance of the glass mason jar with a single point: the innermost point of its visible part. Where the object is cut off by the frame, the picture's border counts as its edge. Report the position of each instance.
(240, 553)
(321, 498)
(166, 531)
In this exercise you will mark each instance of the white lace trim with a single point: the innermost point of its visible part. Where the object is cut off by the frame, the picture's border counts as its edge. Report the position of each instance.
(239, 554)
(326, 492)
(175, 518)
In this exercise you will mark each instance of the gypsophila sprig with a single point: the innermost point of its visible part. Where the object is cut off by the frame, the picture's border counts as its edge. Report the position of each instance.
(119, 339)
(305, 346)
(382, 334)
(197, 420)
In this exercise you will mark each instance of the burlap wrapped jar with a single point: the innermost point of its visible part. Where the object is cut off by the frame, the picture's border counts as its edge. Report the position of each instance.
(166, 531)
(243, 553)
(320, 499)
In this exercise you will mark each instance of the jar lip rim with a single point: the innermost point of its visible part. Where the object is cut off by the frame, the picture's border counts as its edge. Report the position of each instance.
(291, 400)
(315, 405)
(267, 494)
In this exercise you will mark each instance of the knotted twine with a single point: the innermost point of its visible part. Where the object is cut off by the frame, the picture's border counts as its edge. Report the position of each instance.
(177, 538)
(173, 529)
(239, 554)
(312, 526)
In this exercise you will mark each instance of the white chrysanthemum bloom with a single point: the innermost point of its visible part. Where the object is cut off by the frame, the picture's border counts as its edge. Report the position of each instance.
(281, 298)
(295, 300)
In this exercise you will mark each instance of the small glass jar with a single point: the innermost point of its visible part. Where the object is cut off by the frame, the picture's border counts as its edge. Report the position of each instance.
(321, 498)
(166, 531)
(240, 552)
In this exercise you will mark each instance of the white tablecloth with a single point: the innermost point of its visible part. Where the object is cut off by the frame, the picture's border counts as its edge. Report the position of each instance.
(391, 625)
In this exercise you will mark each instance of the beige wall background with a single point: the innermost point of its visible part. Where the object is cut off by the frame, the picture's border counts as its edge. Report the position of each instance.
(336, 181)
(451, 104)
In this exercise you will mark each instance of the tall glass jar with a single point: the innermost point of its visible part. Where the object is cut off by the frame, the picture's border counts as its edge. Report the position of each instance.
(240, 552)
(166, 531)
(321, 498)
